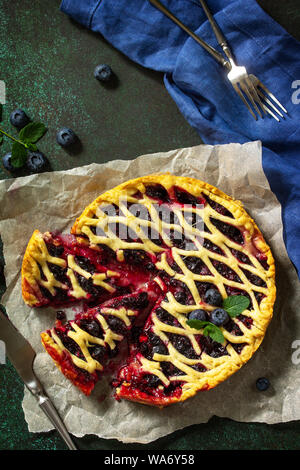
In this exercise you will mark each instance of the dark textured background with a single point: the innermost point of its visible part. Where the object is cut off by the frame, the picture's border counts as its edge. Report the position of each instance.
(47, 62)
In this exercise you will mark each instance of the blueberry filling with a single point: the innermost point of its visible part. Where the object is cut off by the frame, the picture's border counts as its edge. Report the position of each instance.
(88, 286)
(184, 197)
(240, 256)
(208, 245)
(238, 347)
(55, 250)
(69, 343)
(254, 279)
(139, 301)
(183, 345)
(218, 207)
(116, 325)
(199, 367)
(233, 328)
(92, 327)
(135, 257)
(164, 316)
(226, 271)
(157, 191)
(212, 348)
(58, 272)
(196, 265)
(169, 369)
(230, 231)
(85, 264)
(98, 352)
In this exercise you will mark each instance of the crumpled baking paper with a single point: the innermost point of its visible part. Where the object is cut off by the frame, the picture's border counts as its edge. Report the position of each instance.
(53, 200)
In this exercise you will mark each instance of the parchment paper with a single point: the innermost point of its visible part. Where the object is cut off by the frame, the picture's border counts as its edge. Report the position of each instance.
(54, 200)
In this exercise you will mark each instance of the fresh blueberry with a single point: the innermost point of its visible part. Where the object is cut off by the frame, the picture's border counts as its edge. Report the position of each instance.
(6, 160)
(19, 118)
(198, 314)
(262, 384)
(103, 72)
(66, 137)
(219, 317)
(213, 297)
(36, 161)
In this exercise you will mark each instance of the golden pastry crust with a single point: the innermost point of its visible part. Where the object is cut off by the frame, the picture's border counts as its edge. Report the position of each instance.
(239, 347)
(218, 369)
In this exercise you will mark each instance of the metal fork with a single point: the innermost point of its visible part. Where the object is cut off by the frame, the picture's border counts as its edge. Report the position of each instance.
(254, 94)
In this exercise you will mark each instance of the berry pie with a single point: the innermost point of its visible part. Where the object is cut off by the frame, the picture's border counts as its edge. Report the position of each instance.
(162, 265)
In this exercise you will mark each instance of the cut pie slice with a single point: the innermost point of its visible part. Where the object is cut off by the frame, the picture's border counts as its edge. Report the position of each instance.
(82, 348)
(188, 245)
(59, 269)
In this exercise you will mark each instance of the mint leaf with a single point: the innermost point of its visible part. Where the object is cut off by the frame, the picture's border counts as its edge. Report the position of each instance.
(235, 304)
(209, 329)
(18, 155)
(197, 324)
(214, 333)
(33, 132)
(31, 147)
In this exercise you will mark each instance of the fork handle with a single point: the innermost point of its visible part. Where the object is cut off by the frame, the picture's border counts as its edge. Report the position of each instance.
(217, 56)
(36, 388)
(218, 33)
(50, 411)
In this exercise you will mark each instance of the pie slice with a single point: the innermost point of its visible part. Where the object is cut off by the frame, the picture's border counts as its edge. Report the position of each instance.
(60, 269)
(193, 247)
(82, 348)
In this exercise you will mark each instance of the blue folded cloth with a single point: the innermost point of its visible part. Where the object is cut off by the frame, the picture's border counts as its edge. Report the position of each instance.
(202, 93)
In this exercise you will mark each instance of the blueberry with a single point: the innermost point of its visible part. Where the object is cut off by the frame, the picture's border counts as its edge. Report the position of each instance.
(92, 327)
(213, 297)
(160, 349)
(219, 317)
(198, 314)
(151, 380)
(66, 137)
(98, 352)
(36, 161)
(262, 384)
(103, 72)
(19, 118)
(60, 315)
(6, 160)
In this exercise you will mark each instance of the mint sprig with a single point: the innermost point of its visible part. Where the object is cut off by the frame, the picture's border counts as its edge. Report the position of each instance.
(234, 306)
(28, 136)
(209, 329)
(33, 132)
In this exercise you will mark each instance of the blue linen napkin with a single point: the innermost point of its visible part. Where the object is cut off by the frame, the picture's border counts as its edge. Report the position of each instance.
(202, 93)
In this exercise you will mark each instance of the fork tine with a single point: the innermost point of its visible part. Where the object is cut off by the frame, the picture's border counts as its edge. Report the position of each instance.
(267, 91)
(271, 113)
(245, 88)
(254, 92)
(270, 104)
(235, 86)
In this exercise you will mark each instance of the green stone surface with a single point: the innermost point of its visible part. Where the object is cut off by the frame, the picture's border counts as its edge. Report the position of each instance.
(47, 63)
